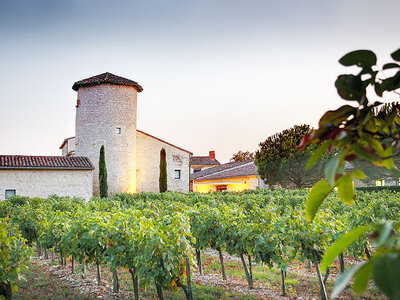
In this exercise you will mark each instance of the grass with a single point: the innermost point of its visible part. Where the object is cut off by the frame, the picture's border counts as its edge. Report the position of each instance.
(296, 284)
(39, 285)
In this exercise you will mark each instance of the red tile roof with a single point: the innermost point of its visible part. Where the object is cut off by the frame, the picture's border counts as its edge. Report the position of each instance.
(106, 78)
(45, 162)
(228, 170)
(203, 161)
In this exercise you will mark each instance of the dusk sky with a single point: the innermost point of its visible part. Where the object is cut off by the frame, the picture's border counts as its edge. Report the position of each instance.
(217, 75)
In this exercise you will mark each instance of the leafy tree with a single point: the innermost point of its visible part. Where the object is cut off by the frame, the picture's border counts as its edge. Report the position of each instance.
(242, 156)
(163, 171)
(369, 131)
(280, 162)
(103, 174)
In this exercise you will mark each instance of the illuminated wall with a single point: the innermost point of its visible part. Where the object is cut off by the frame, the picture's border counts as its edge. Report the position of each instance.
(233, 184)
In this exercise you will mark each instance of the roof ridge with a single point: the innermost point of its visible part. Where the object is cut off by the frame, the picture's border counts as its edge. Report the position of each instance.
(227, 169)
(104, 78)
(45, 162)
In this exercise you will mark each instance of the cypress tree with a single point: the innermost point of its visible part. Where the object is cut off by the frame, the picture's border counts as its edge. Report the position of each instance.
(103, 174)
(163, 171)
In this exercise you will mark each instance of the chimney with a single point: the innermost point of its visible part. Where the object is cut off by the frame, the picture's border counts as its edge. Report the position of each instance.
(212, 154)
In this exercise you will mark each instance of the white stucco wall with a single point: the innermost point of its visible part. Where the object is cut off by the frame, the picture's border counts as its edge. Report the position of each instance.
(42, 183)
(148, 165)
(102, 109)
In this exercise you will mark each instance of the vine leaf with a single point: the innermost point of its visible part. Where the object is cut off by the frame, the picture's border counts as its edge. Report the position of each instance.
(358, 174)
(345, 189)
(396, 55)
(318, 153)
(317, 194)
(342, 244)
(361, 277)
(330, 169)
(390, 66)
(361, 58)
(386, 274)
(343, 279)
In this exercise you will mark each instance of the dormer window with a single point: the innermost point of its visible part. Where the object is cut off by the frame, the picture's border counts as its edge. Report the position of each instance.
(118, 130)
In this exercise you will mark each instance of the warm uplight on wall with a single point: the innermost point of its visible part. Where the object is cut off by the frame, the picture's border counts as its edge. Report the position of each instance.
(131, 187)
(238, 187)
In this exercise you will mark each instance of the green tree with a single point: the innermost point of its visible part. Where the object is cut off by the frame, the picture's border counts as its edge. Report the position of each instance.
(163, 171)
(369, 131)
(103, 174)
(242, 156)
(280, 162)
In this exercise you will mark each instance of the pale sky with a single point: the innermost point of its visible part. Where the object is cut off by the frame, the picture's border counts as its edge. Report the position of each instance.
(217, 75)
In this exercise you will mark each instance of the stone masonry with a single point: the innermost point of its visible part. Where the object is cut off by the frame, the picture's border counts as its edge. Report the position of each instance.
(106, 115)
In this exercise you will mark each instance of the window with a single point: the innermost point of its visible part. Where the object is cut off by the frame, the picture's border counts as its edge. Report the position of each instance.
(380, 182)
(10, 193)
(118, 130)
(221, 188)
(196, 170)
(177, 174)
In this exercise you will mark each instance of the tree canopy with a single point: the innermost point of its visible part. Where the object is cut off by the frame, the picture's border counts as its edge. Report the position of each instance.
(242, 156)
(280, 162)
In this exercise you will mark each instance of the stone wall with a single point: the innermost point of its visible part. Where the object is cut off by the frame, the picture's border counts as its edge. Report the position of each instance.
(104, 110)
(148, 164)
(42, 183)
(69, 147)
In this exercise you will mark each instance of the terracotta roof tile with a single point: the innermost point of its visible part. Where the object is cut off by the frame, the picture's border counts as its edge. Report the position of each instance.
(45, 162)
(106, 78)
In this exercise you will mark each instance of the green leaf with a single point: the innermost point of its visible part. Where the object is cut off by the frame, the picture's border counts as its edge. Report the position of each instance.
(364, 154)
(342, 244)
(396, 55)
(317, 194)
(384, 230)
(350, 87)
(343, 279)
(361, 58)
(318, 153)
(378, 89)
(390, 66)
(330, 169)
(346, 189)
(386, 274)
(336, 117)
(361, 277)
(358, 174)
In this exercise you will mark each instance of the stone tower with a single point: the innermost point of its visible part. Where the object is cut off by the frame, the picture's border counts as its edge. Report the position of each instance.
(106, 111)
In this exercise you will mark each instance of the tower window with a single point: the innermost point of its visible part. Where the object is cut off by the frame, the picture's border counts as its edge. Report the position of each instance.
(177, 174)
(118, 130)
(10, 193)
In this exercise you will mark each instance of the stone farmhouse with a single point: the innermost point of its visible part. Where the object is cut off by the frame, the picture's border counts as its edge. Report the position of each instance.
(106, 114)
(199, 163)
(231, 177)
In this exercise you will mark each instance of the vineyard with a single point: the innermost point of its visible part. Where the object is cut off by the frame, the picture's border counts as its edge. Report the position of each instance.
(159, 238)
